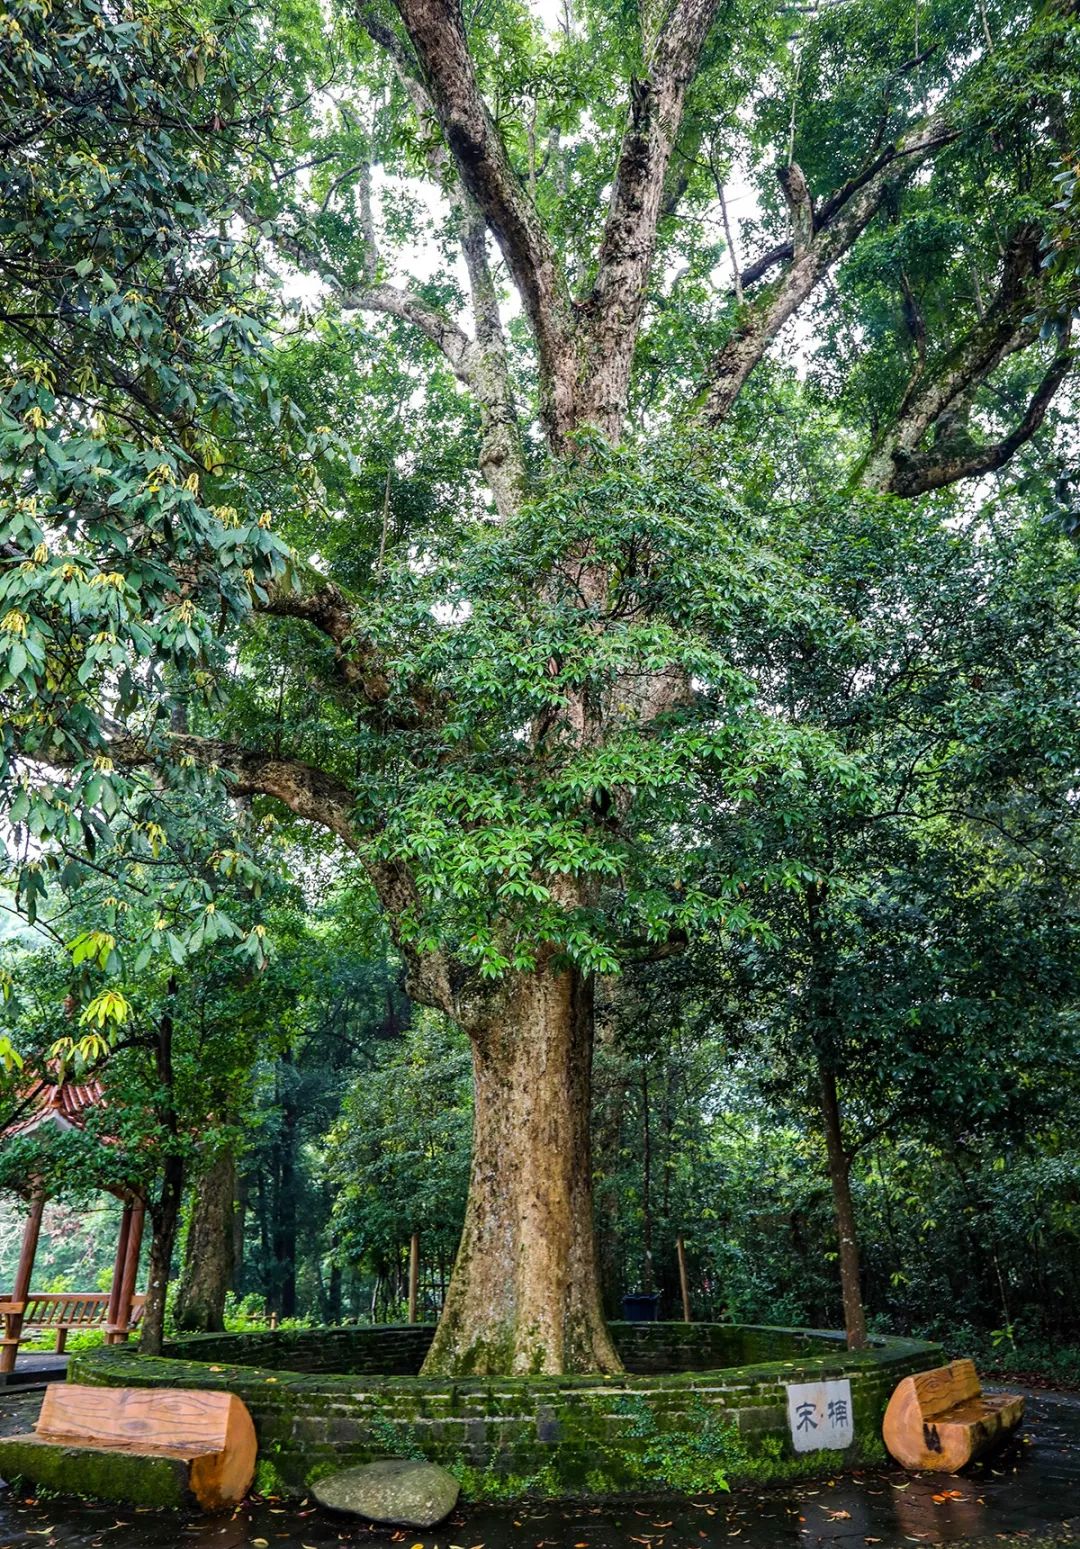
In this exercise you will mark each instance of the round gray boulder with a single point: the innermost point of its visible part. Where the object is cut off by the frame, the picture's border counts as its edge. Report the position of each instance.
(391, 1490)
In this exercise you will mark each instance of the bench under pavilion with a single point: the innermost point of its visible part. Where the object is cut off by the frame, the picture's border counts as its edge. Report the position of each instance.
(66, 1105)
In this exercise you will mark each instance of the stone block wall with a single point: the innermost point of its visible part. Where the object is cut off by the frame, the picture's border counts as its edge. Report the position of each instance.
(648, 1432)
(378, 1350)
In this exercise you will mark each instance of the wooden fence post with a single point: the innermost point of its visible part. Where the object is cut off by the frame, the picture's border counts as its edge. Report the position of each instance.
(414, 1273)
(683, 1283)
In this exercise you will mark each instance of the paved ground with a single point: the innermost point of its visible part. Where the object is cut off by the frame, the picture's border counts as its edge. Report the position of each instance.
(35, 1367)
(1032, 1492)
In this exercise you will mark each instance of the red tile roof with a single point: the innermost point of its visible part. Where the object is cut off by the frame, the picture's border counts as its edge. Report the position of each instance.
(45, 1102)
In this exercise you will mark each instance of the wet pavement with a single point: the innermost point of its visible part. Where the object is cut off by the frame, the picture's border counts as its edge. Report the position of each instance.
(34, 1367)
(1032, 1490)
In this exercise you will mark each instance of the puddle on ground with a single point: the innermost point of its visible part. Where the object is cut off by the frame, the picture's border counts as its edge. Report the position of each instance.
(1035, 1485)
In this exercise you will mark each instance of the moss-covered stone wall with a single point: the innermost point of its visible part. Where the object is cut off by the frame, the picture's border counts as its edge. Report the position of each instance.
(378, 1350)
(383, 1350)
(680, 1430)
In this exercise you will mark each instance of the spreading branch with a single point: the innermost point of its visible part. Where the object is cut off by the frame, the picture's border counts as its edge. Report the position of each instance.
(318, 797)
(373, 296)
(613, 309)
(937, 468)
(437, 31)
(1008, 325)
(309, 792)
(302, 593)
(815, 247)
(394, 701)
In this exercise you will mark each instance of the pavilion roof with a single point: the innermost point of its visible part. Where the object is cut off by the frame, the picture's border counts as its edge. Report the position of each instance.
(63, 1104)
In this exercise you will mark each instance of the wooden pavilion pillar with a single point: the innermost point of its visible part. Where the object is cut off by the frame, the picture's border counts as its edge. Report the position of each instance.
(131, 1269)
(14, 1310)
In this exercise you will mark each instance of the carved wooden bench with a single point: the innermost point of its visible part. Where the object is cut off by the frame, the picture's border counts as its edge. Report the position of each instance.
(148, 1446)
(63, 1311)
(941, 1419)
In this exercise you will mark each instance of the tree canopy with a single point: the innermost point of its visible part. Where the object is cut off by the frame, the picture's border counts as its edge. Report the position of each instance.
(606, 478)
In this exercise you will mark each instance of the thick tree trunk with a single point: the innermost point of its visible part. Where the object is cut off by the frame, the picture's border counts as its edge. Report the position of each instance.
(525, 1293)
(239, 1230)
(840, 1179)
(610, 1093)
(284, 1267)
(208, 1257)
(165, 1216)
(165, 1213)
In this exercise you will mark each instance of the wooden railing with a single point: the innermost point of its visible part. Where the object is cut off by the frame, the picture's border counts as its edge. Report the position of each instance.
(64, 1310)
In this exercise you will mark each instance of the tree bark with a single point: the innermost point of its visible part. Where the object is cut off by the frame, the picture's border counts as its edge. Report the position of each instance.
(165, 1211)
(285, 1200)
(611, 1089)
(524, 1296)
(165, 1215)
(840, 1179)
(208, 1256)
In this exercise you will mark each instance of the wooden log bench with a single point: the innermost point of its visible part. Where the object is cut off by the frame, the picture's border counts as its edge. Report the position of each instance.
(145, 1446)
(942, 1420)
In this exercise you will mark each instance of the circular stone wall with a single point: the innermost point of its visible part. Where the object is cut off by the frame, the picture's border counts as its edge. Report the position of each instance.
(749, 1403)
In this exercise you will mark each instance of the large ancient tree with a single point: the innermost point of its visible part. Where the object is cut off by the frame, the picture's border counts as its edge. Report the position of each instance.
(499, 667)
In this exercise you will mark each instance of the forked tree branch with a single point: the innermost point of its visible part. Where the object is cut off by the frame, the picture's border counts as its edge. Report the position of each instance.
(372, 296)
(1008, 325)
(613, 309)
(815, 252)
(437, 31)
(830, 209)
(936, 468)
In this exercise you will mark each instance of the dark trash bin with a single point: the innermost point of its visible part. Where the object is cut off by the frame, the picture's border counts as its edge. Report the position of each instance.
(640, 1308)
